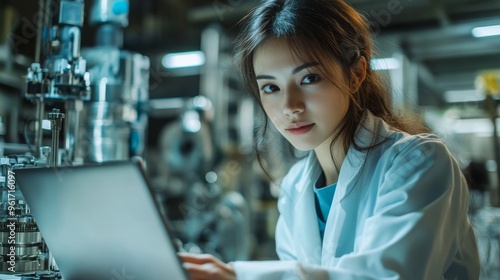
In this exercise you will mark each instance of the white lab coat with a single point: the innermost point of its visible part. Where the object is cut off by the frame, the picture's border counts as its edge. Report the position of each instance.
(399, 212)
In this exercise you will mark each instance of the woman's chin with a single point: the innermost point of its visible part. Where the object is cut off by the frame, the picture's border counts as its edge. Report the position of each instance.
(302, 147)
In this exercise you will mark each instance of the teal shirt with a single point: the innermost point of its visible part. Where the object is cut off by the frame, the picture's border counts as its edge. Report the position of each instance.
(323, 197)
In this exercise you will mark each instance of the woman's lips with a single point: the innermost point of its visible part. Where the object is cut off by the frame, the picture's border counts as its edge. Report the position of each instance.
(300, 128)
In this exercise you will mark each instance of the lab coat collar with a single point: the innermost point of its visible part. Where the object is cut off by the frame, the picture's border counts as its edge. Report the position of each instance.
(353, 162)
(371, 131)
(311, 248)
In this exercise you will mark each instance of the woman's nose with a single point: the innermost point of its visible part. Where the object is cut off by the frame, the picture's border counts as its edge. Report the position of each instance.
(293, 103)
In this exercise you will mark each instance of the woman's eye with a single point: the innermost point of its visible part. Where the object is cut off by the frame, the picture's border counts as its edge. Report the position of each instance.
(269, 88)
(309, 79)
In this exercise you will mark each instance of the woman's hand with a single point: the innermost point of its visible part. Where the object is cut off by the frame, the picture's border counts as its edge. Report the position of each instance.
(206, 267)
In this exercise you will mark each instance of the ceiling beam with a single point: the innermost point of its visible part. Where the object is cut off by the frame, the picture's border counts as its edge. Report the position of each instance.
(455, 49)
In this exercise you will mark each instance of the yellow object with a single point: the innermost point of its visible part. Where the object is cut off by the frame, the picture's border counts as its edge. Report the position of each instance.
(489, 82)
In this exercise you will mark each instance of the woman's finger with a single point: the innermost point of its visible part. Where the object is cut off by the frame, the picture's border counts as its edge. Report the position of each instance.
(209, 271)
(205, 266)
(196, 258)
(196, 271)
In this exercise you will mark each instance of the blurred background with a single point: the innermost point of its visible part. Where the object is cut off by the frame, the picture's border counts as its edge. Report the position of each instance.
(154, 78)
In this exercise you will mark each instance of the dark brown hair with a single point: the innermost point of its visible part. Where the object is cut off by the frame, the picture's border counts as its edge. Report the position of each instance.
(331, 31)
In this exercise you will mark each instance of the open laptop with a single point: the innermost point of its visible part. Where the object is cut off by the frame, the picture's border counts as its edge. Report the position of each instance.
(101, 221)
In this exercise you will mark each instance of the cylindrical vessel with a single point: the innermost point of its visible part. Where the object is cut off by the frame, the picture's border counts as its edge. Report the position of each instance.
(112, 123)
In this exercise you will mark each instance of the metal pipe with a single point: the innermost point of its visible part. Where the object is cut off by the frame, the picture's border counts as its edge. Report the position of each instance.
(55, 118)
(44, 25)
(38, 46)
(72, 123)
(491, 108)
(74, 33)
(40, 111)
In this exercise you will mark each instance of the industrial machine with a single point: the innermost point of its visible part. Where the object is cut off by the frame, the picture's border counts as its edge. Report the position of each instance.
(113, 121)
(57, 75)
(95, 109)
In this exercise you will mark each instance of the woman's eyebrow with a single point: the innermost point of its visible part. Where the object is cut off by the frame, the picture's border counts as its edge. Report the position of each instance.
(265, 77)
(294, 71)
(304, 66)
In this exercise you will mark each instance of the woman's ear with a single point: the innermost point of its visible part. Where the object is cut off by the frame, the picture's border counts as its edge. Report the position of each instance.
(359, 74)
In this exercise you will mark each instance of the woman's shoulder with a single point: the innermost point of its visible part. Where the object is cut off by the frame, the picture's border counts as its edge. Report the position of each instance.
(386, 138)
(423, 146)
(377, 134)
(420, 161)
(402, 141)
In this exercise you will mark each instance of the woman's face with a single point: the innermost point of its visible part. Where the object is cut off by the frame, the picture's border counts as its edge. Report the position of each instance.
(305, 106)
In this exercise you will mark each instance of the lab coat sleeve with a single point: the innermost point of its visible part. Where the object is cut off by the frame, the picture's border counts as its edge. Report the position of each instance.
(287, 268)
(285, 243)
(278, 270)
(412, 234)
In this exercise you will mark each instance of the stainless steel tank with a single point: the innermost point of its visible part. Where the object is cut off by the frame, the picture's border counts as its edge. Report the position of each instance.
(113, 123)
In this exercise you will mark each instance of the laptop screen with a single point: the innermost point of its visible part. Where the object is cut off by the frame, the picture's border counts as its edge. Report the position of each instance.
(101, 221)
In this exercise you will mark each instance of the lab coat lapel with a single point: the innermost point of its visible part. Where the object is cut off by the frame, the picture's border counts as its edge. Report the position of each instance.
(340, 207)
(306, 229)
(348, 178)
(354, 159)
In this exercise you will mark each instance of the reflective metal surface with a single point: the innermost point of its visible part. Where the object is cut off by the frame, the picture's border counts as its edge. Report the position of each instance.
(113, 123)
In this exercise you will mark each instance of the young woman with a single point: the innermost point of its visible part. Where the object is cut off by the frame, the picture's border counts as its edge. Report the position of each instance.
(373, 199)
